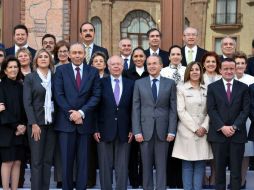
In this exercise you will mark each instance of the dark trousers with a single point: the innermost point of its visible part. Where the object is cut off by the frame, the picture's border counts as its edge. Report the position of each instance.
(135, 165)
(42, 153)
(74, 146)
(222, 152)
(93, 164)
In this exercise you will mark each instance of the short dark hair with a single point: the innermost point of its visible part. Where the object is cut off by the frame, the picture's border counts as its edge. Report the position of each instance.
(20, 26)
(58, 45)
(5, 65)
(99, 53)
(48, 36)
(80, 29)
(138, 48)
(253, 43)
(217, 59)
(151, 30)
(174, 46)
(227, 59)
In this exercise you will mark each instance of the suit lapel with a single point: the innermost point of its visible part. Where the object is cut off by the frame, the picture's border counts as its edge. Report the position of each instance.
(109, 90)
(234, 91)
(124, 90)
(221, 88)
(70, 72)
(149, 88)
(85, 77)
(161, 87)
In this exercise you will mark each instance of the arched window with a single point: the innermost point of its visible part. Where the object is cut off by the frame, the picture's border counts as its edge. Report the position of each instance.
(96, 21)
(135, 25)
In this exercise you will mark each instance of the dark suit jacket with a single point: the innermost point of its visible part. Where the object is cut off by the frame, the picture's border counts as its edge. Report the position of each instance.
(13, 115)
(163, 54)
(34, 98)
(200, 53)
(222, 112)
(251, 115)
(133, 75)
(101, 49)
(11, 51)
(115, 120)
(250, 66)
(68, 97)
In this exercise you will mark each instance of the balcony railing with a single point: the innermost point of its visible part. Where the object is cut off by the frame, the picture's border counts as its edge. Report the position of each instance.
(226, 21)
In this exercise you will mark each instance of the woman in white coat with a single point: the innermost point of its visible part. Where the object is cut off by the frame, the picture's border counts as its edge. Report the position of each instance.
(191, 143)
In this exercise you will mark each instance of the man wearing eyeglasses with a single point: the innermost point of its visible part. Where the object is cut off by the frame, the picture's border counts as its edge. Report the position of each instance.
(191, 51)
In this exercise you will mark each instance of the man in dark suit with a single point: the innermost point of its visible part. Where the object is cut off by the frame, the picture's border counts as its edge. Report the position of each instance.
(154, 121)
(87, 34)
(250, 66)
(228, 47)
(114, 126)
(228, 105)
(20, 36)
(77, 93)
(125, 48)
(251, 132)
(191, 51)
(154, 38)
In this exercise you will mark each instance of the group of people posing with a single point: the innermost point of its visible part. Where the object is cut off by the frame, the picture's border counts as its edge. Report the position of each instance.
(176, 112)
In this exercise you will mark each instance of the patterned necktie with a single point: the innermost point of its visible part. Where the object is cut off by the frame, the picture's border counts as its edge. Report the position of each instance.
(176, 75)
(125, 64)
(190, 56)
(228, 91)
(154, 89)
(117, 91)
(87, 48)
(78, 77)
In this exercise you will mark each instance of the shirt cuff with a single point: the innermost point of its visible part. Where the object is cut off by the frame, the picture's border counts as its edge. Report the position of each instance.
(138, 135)
(172, 134)
(82, 114)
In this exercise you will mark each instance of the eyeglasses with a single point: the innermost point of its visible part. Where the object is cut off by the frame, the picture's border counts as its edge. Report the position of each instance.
(64, 51)
(1, 55)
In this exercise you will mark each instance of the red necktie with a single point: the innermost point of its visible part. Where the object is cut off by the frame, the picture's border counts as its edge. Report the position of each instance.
(78, 77)
(228, 91)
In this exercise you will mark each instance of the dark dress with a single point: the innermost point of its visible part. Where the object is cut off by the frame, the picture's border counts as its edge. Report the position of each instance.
(11, 146)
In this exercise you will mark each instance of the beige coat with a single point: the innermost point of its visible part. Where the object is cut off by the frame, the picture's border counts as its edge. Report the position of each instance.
(192, 113)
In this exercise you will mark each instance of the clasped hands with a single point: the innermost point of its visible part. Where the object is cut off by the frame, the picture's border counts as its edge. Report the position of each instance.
(139, 138)
(21, 129)
(97, 137)
(201, 132)
(228, 131)
(76, 117)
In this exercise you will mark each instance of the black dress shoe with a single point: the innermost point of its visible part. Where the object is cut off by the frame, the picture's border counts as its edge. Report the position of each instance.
(59, 185)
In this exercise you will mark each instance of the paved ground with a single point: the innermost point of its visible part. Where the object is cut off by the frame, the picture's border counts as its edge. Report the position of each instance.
(250, 181)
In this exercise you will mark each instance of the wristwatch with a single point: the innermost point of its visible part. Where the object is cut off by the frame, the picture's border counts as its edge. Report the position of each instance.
(235, 127)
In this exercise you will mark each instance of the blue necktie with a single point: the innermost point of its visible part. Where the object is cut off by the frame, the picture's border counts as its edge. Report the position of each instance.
(154, 89)
(125, 64)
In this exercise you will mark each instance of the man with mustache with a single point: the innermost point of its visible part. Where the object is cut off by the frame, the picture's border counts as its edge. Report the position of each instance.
(87, 34)
(49, 42)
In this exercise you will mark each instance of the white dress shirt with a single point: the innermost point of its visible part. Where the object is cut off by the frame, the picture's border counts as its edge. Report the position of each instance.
(128, 61)
(75, 71)
(152, 52)
(17, 47)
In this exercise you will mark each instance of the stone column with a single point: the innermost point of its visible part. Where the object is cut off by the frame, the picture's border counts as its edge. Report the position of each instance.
(107, 25)
(171, 22)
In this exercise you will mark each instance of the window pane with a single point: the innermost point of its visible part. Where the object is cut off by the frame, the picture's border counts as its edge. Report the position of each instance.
(231, 12)
(143, 26)
(97, 25)
(134, 27)
(134, 40)
(144, 42)
(220, 12)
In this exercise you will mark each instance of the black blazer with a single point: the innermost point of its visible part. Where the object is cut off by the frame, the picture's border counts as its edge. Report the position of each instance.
(133, 75)
(14, 115)
(222, 112)
(115, 120)
(200, 53)
(11, 51)
(251, 116)
(250, 66)
(34, 97)
(163, 54)
(101, 49)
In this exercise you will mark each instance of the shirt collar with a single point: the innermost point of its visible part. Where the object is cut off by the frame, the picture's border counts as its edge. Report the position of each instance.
(90, 45)
(80, 66)
(17, 47)
(225, 82)
(157, 51)
(158, 78)
(189, 86)
(113, 78)
(128, 57)
(194, 49)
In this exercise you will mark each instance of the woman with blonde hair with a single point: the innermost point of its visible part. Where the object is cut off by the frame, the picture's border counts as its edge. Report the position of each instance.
(39, 107)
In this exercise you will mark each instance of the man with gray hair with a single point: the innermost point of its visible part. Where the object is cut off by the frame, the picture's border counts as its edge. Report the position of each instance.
(113, 132)
(125, 48)
(191, 51)
(228, 47)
